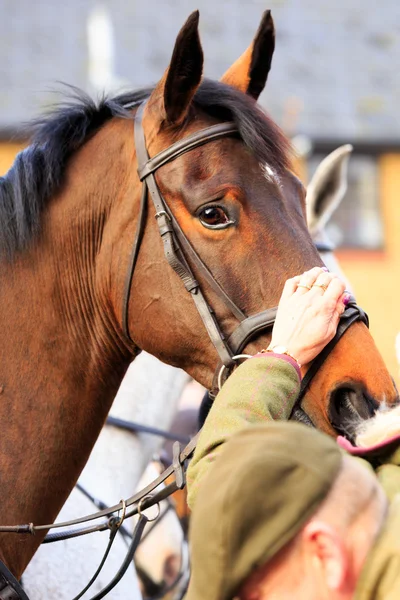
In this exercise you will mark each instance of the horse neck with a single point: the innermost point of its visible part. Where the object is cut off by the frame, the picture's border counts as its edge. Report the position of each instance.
(61, 357)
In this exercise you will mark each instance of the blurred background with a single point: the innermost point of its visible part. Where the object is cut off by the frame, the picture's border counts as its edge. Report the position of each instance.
(335, 79)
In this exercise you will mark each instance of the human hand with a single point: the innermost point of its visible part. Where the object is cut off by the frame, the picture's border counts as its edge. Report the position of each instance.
(308, 313)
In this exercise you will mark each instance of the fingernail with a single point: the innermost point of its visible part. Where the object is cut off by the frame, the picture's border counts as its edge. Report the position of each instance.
(346, 299)
(325, 269)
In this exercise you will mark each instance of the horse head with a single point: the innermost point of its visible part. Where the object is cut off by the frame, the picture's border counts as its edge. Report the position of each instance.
(243, 211)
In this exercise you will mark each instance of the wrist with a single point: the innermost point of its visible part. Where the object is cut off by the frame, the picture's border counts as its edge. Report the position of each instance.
(282, 358)
(279, 349)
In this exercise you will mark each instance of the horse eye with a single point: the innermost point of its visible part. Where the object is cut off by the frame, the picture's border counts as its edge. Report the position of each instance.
(214, 217)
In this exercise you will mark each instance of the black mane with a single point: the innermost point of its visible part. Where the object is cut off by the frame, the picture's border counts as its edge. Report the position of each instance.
(37, 172)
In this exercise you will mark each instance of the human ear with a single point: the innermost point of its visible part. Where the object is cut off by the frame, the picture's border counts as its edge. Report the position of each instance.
(326, 552)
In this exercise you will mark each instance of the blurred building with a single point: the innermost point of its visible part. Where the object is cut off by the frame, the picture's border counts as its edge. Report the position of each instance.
(334, 80)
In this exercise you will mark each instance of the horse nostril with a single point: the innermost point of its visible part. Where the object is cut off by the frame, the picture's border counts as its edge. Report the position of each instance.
(349, 406)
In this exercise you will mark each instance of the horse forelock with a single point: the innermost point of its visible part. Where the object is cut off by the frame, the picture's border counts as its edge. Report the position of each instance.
(38, 171)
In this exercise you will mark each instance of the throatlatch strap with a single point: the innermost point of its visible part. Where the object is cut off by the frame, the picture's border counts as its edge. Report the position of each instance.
(133, 261)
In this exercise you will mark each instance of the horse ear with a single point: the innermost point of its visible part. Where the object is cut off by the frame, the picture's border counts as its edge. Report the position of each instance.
(327, 187)
(183, 76)
(249, 73)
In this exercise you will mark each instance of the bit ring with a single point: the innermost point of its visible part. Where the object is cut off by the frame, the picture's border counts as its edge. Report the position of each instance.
(221, 372)
(139, 508)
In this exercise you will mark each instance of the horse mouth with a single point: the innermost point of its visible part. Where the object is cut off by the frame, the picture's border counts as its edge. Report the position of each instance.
(349, 406)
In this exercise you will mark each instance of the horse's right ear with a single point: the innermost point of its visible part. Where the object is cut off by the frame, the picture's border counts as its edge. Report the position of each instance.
(327, 187)
(249, 73)
(182, 78)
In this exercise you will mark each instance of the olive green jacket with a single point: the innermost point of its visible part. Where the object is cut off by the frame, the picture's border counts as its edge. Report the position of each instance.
(261, 389)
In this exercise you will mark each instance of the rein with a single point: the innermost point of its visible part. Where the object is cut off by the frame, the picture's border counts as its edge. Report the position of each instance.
(137, 504)
(178, 252)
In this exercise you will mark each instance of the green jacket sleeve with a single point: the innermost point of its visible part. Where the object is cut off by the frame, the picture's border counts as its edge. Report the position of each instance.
(261, 389)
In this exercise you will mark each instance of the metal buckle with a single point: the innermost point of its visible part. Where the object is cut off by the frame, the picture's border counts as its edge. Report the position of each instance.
(160, 213)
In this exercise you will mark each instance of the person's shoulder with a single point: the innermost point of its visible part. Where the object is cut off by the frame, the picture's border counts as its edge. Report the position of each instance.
(380, 577)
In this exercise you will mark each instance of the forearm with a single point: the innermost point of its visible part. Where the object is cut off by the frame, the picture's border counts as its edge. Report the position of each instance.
(261, 389)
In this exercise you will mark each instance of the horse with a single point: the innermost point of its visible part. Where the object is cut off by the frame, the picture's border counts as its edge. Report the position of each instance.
(162, 549)
(77, 304)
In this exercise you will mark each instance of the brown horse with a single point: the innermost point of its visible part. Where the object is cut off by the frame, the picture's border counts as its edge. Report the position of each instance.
(68, 215)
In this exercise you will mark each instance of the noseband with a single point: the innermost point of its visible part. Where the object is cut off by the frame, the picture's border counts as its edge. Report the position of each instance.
(180, 255)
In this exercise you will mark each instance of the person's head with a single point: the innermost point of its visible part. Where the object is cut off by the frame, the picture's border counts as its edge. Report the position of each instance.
(325, 559)
(283, 513)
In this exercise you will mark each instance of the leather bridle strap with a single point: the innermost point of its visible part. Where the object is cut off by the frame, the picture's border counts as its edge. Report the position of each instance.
(133, 260)
(247, 329)
(351, 314)
(140, 428)
(150, 498)
(174, 240)
(203, 269)
(133, 546)
(147, 165)
(144, 499)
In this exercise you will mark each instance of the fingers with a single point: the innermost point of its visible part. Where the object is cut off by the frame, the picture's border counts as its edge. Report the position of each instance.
(321, 284)
(340, 307)
(317, 282)
(308, 279)
(290, 287)
(342, 303)
(335, 289)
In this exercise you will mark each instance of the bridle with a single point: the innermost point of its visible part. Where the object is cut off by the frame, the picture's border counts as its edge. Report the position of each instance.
(178, 253)
(177, 249)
